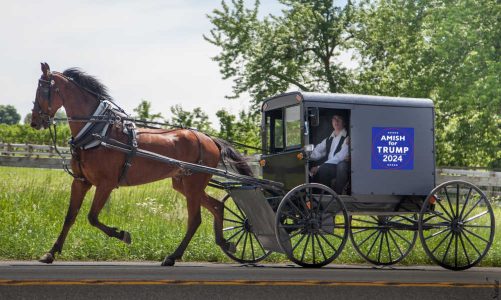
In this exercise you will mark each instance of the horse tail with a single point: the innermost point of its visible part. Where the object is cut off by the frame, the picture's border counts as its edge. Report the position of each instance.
(236, 159)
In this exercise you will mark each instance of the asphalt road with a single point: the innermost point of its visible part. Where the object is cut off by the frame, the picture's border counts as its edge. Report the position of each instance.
(112, 280)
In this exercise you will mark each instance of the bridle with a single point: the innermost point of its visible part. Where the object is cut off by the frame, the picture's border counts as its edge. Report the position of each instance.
(45, 89)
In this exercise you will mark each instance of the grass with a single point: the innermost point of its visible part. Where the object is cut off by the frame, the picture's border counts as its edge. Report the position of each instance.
(33, 205)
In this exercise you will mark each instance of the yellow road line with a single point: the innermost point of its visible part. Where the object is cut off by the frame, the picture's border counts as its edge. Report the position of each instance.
(243, 282)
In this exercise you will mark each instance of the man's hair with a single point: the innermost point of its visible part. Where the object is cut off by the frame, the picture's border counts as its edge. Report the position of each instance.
(341, 116)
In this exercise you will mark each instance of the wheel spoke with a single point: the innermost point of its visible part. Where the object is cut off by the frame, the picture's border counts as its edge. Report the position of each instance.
(396, 244)
(327, 241)
(296, 208)
(361, 230)
(437, 233)
(464, 249)
(475, 217)
(388, 244)
(367, 238)
(234, 213)
(365, 221)
(245, 244)
(465, 204)
(471, 243)
(305, 247)
(233, 221)
(331, 233)
(476, 226)
(299, 242)
(259, 243)
(320, 201)
(290, 226)
(449, 203)
(456, 248)
(471, 209)
(476, 235)
(445, 210)
(439, 244)
(434, 213)
(448, 247)
(313, 248)
(457, 201)
(233, 235)
(321, 247)
(372, 246)
(232, 228)
(408, 242)
(380, 248)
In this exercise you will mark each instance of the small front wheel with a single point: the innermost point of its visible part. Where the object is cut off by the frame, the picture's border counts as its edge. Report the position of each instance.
(312, 225)
(237, 230)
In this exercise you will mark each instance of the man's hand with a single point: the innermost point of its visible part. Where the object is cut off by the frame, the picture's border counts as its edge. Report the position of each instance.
(314, 170)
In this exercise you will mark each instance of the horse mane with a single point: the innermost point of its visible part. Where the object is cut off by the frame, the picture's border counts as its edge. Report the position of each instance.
(88, 82)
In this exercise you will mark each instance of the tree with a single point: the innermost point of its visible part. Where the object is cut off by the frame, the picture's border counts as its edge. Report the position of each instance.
(296, 50)
(143, 112)
(447, 51)
(9, 115)
(244, 130)
(196, 119)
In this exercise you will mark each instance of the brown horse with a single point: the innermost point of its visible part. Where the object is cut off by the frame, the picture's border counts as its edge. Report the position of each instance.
(80, 95)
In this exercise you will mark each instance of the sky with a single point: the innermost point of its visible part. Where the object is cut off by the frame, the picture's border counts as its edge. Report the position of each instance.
(152, 50)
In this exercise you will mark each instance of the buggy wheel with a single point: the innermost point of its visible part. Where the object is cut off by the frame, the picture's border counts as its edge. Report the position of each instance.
(383, 240)
(311, 225)
(456, 225)
(238, 230)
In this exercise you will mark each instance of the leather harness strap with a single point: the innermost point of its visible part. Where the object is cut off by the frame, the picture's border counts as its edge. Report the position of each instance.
(132, 141)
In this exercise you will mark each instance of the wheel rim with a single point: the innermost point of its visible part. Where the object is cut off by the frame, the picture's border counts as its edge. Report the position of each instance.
(238, 230)
(456, 225)
(312, 235)
(383, 240)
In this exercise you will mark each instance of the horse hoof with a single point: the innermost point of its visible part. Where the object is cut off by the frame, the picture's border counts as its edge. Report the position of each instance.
(126, 237)
(47, 258)
(168, 262)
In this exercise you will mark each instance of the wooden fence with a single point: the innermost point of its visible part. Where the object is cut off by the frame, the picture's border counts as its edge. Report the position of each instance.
(42, 156)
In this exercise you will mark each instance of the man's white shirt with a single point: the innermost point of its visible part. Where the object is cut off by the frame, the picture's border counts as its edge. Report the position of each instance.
(320, 149)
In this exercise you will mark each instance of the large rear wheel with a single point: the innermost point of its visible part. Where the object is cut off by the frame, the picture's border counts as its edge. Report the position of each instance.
(456, 225)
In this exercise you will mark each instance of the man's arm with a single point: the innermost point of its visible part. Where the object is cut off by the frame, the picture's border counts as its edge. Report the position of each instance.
(319, 151)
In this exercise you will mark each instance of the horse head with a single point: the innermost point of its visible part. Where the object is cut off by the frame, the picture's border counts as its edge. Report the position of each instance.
(47, 100)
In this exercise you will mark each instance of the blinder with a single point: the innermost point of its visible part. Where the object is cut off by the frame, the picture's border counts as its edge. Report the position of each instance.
(44, 88)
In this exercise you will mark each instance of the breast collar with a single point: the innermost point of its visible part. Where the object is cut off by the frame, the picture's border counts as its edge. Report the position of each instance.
(98, 123)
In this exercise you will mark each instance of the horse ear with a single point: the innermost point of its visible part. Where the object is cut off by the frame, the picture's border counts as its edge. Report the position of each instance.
(45, 69)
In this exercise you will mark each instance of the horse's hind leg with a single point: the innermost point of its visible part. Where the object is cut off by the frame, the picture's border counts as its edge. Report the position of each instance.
(191, 188)
(78, 191)
(100, 198)
(217, 209)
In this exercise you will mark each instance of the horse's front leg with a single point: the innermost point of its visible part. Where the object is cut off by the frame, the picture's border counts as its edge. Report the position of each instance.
(78, 190)
(101, 196)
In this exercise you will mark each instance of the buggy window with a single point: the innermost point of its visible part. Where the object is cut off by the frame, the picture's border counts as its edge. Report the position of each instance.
(292, 127)
(283, 129)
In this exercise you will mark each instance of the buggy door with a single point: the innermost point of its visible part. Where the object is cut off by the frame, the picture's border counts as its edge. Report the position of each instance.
(283, 140)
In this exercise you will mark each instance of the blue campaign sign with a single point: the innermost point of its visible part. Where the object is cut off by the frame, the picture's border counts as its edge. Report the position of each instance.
(392, 148)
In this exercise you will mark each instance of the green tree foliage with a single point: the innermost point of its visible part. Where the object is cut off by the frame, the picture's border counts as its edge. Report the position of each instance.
(9, 115)
(197, 119)
(296, 50)
(448, 51)
(244, 129)
(143, 112)
(24, 134)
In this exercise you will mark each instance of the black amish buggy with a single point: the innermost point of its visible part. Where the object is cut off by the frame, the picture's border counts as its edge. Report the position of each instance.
(389, 199)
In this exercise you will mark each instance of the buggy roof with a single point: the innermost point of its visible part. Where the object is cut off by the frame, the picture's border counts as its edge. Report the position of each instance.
(308, 97)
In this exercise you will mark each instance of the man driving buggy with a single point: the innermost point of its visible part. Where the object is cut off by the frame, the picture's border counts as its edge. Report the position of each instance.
(331, 157)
